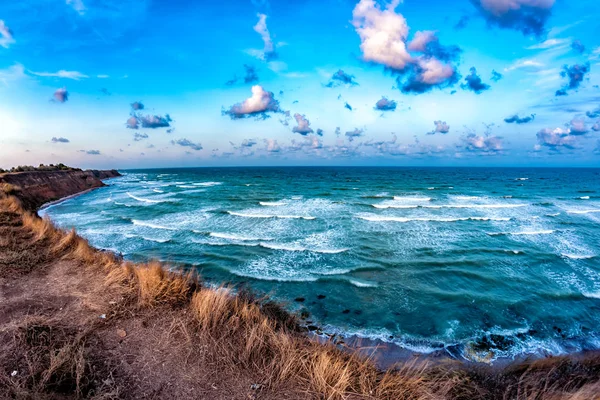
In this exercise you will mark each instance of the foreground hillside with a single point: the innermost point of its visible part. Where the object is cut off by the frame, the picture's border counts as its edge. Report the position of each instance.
(80, 323)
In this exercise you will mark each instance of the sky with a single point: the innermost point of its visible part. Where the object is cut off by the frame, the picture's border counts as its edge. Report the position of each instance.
(152, 83)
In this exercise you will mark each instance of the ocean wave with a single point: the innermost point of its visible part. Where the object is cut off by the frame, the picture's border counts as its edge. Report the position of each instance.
(592, 295)
(553, 215)
(151, 225)
(583, 211)
(158, 191)
(238, 214)
(271, 203)
(403, 219)
(148, 239)
(411, 198)
(186, 186)
(578, 256)
(231, 236)
(362, 284)
(466, 197)
(146, 200)
(524, 233)
(286, 247)
(207, 184)
(584, 198)
(386, 206)
(522, 179)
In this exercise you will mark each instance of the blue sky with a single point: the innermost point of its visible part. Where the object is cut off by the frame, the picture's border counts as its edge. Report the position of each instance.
(124, 83)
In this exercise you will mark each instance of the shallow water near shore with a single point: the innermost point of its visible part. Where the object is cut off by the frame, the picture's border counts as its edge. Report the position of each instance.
(478, 263)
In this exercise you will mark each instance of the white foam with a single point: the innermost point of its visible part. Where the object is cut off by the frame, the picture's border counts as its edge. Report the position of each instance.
(271, 203)
(386, 206)
(402, 219)
(480, 206)
(583, 211)
(151, 225)
(287, 247)
(409, 198)
(553, 215)
(186, 186)
(230, 236)
(592, 295)
(238, 214)
(208, 184)
(361, 284)
(578, 256)
(524, 233)
(158, 191)
(145, 200)
(584, 198)
(522, 179)
(466, 197)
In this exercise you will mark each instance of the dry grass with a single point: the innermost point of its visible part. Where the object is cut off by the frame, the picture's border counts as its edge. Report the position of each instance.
(256, 334)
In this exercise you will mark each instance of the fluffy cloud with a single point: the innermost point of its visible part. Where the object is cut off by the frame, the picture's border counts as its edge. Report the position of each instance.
(555, 139)
(474, 82)
(485, 144)
(384, 33)
(320, 132)
(137, 105)
(303, 126)
(6, 35)
(596, 126)
(518, 120)
(384, 104)
(527, 16)
(139, 136)
(351, 135)
(578, 46)
(187, 143)
(61, 95)
(421, 40)
(272, 146)
(578, 126)
(341, 78)
(348, 106)
(75, 75)
(496, 76)
(155, 121)
(593, 114)
(268, 53)
(60, 140)
(576, 74)
(440, 127)
(132, 122)
(91, 152)
(260, 103)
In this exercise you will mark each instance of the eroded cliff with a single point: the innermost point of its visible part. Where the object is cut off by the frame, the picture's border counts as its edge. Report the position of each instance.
(36, 188)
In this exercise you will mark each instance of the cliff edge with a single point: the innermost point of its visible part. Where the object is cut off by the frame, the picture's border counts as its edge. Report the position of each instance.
(35, 188)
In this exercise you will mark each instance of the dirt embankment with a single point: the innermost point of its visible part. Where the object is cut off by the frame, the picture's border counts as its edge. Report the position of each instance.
(39, 187)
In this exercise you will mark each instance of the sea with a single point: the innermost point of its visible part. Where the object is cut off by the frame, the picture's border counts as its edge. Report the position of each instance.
(481, 263)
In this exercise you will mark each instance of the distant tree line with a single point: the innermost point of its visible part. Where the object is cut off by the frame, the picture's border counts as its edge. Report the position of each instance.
(42, 167)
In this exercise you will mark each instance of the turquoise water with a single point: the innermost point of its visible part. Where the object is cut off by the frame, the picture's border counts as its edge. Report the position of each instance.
(506, 260)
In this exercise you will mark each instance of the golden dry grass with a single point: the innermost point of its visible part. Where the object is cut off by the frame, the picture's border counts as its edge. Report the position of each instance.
(241, 330)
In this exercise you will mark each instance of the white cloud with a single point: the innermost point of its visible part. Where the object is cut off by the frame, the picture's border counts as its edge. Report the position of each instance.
(75, 75)
(13, 73)
(550, 43)
(268, 52)
(421, 40)
(261, 101)
(77, 5)
(528, 65)
(383, 34)
(6, 36)
(501, 7)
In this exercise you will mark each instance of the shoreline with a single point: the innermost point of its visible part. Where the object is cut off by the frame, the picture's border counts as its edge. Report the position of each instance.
(385, 354)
